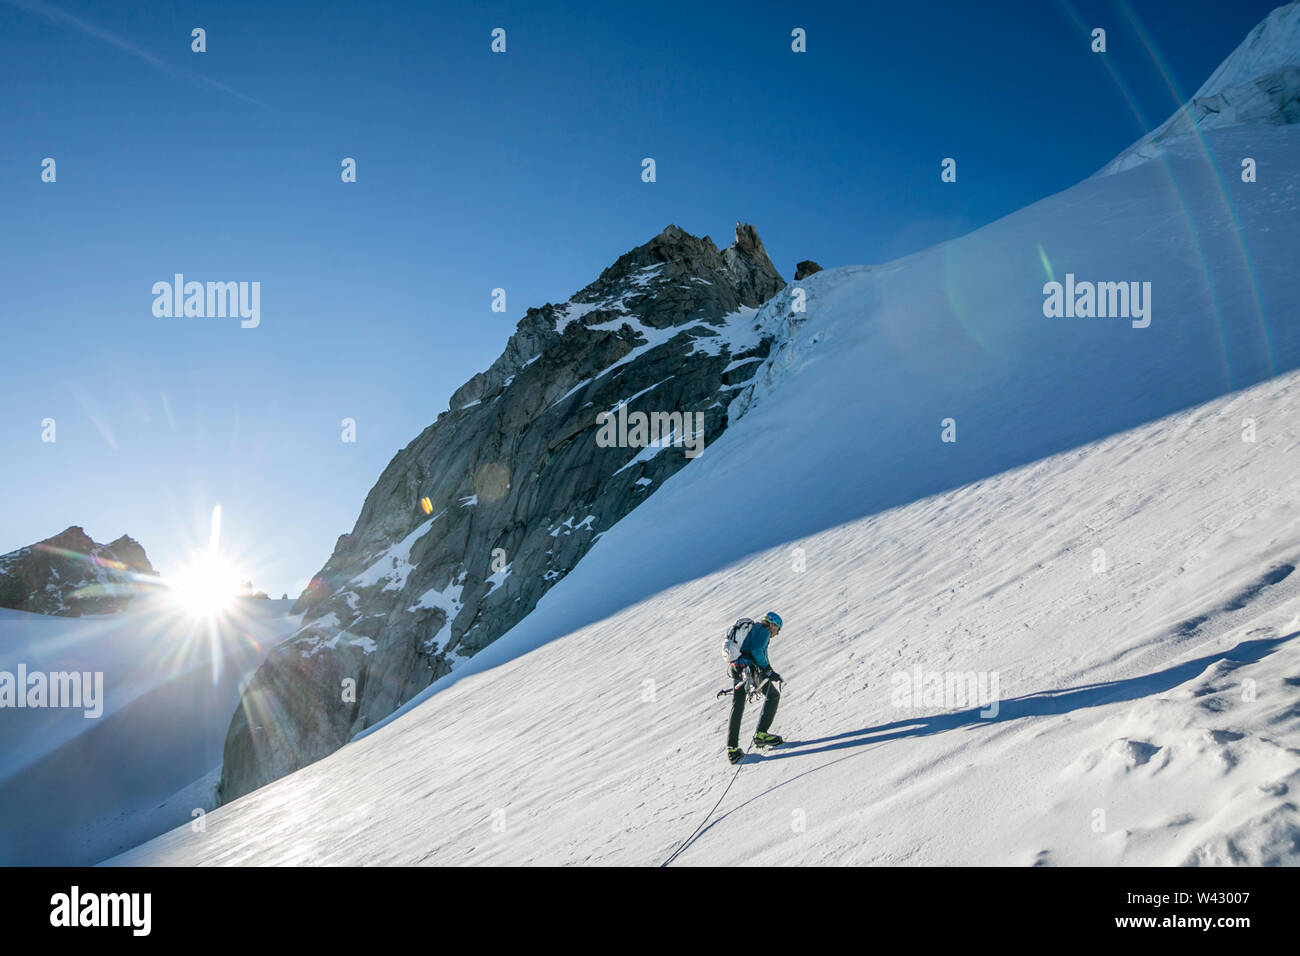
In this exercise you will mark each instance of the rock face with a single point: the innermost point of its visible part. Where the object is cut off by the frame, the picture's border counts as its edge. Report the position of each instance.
(1259, 82)
(484, 511)
(804, 269)
(70, 575)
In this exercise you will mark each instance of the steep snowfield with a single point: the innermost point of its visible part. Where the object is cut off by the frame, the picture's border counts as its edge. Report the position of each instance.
(1148, 712)
(73, 789)
(1258, 83)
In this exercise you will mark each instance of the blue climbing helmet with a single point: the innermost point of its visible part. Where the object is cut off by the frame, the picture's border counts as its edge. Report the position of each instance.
(771, 617)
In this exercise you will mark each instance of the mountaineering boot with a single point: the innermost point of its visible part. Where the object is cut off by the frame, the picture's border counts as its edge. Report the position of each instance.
(762, 739)
(734, 754)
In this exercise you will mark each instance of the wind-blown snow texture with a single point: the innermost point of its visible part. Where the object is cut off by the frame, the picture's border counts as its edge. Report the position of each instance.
(1162, 692)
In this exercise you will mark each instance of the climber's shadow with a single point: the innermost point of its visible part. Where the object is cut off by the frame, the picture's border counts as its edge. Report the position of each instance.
(1042, 703)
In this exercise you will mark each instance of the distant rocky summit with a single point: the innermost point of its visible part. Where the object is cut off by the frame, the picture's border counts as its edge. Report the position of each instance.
(70, 575)
(489, 506)
(804, 269)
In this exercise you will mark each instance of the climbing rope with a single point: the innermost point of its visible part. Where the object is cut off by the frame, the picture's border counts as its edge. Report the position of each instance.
(689, 839)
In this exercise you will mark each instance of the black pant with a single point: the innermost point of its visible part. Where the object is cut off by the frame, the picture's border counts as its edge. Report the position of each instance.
(772, 697)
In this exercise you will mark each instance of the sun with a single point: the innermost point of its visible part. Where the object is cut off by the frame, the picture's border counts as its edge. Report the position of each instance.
(207, 587)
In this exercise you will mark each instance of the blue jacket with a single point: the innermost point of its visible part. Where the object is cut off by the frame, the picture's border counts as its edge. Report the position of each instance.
(754, 648)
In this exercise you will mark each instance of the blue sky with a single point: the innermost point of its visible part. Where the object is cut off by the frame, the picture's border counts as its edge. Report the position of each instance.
(475, 170)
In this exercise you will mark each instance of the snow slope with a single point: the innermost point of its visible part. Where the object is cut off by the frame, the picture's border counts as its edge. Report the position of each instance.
(72, 789)
(1124, 691)
(1258, 83)
(1149, 712)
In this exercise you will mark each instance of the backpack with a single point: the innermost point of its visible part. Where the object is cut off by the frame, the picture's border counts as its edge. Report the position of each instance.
(735, 639)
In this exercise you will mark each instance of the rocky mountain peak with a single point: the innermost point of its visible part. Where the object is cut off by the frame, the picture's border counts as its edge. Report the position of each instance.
(498, 499)
(748, 261)
(742, 276)
(683, 255)
(130, 554)
(72, 538)
(69, 574)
